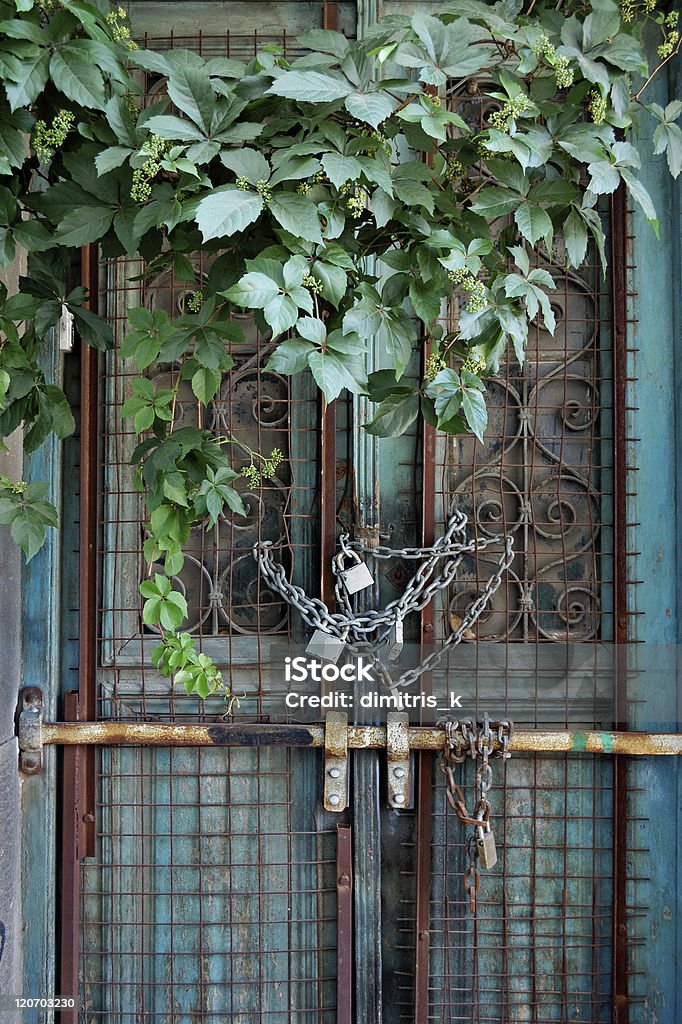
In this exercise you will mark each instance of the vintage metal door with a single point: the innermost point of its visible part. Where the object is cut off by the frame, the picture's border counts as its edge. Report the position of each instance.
(208, 882)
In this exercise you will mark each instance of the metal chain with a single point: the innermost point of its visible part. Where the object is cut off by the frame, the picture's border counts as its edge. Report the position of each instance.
(356, 629)
(464, 739)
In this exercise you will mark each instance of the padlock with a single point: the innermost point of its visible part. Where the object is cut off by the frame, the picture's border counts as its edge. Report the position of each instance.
(324, 646)
(485, 846)
(396, 643)
(357, 577)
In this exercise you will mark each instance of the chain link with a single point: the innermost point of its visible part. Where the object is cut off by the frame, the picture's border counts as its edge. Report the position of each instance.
(465, 739)
(356, 629)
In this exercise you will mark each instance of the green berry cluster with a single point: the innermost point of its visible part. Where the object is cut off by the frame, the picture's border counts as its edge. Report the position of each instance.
(513, 108)
(474, 364)
(474, 288)
(264, 190)
(14, 486)
(434, 364)
(195, 302)
(346, 188)
(120, 32)
(381, 141)
(46, 140)
(318, 177)
(671, 34)
(597, 106)
(255, 476)
(155, 148)
(304, 189)
(252, 475)
(48, 5)
(312, 283)
(131, 104)
(454, 169)
(564, 73)
(543, 47)
(630, 8)
(243, 184)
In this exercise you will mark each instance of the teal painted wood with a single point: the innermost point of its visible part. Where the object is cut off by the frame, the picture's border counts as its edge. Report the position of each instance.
(214, 888)
(655, 783)
(41, 645)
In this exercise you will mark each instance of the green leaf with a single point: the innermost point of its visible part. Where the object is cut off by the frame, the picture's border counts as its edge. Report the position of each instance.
(174, 128)
(425, 300)
(575, 236)
(226, 211)
(312, 329)
(281, 313)
(310, 86)
(84, 225)
(475, 412)
(604, 179)
(63, 422)
(394, 415)
(297, 215)
(191, 91)
(28, 80)
(77, 77)
(246, 163)
(290, 356)
(533, 222)
(372, 107)
(340, 168)
(111, 158)
(253, 290)
(326, 41)
(638, 192)
(333, 279)
(205, 384)
(331, 376)
(495, 202)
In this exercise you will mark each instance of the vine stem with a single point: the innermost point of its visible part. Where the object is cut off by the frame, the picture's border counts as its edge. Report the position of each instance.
(635, 98)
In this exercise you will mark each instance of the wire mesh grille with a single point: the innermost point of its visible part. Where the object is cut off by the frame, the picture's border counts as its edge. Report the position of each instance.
(230, 610)
(213, 892)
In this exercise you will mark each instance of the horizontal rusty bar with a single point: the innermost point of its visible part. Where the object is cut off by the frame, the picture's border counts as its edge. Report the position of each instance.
(359, 737)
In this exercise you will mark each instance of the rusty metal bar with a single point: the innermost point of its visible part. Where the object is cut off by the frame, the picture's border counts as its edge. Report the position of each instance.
(71, 853)
(425, 758)
(88, 504)
(327, 501)
(360, 737)
(619, 313)
(344, 925)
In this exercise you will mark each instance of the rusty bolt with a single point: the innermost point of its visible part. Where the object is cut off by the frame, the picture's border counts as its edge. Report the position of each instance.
(89, 817)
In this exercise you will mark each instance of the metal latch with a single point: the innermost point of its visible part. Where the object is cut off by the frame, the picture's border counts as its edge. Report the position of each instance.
(336, 761)
(398, 758)
(30, 730)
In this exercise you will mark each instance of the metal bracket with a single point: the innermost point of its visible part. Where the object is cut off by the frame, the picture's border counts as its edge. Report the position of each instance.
(398, 758)
(336, 761)
(30, 730)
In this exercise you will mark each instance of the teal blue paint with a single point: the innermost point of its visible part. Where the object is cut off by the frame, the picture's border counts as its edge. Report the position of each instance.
(41, 646)
(654, 781)
(607, 742)
(579, 741)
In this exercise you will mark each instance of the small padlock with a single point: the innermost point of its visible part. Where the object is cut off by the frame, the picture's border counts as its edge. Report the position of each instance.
(485, 846)
(396, 646)
(357, 577)
(324, 646)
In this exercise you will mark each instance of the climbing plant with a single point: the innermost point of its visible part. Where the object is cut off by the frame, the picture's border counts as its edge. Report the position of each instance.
(339, 199)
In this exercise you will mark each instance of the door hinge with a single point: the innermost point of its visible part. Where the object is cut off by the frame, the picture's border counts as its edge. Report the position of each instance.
(30, 729)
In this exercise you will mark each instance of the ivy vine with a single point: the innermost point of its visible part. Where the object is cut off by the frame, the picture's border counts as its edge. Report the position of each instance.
(339, 198)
